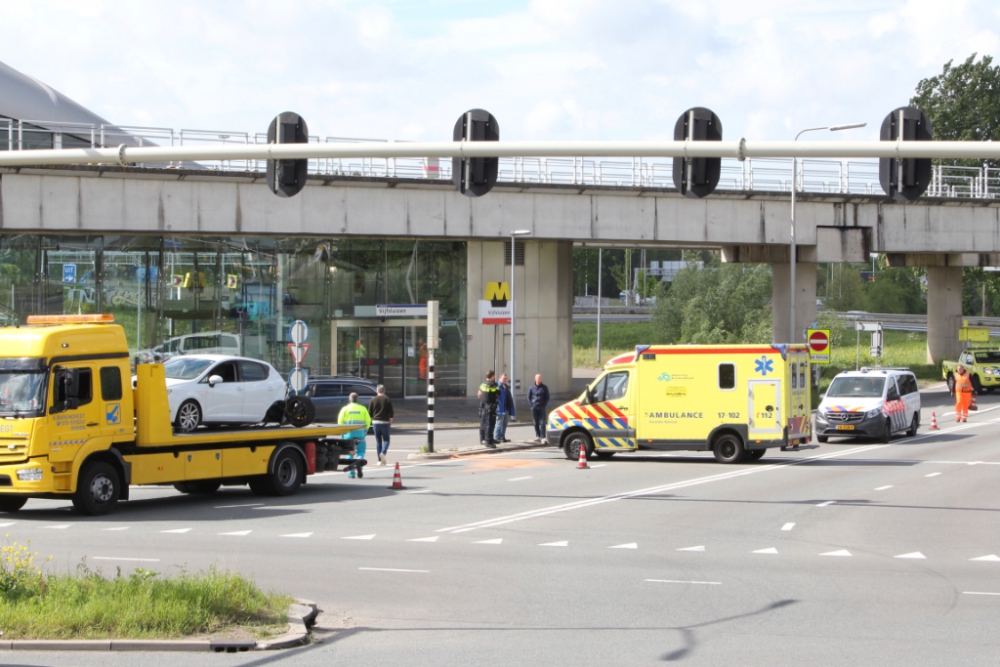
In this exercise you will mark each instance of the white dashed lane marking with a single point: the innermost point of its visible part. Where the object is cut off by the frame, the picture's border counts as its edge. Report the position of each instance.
(117, 528)
(827, 503)
(933, 474)
(555, 544)
(226, 507)
(630, 545)
(425, 539)
(916, 555)
(498, 540)
(788, 526)
(675, 581)
(297, 535)
(360, 537)
(519, 479)
(841, 552)
(978, 593)
(238, 533)
(698, 548)
(390, 569)
(177, 531)
(992, 558)
(883, 488)
(769, 551)
(62, 526)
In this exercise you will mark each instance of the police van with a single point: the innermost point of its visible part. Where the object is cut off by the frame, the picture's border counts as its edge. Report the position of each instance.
(733, 400)
(870, 403)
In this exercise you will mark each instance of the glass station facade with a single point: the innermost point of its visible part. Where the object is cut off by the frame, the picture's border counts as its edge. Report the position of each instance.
(184, 292)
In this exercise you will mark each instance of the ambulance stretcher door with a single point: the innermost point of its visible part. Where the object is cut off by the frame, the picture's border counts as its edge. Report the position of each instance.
(764, 407)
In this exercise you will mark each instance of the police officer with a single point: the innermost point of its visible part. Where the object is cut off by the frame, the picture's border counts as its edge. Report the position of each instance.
(355, 413)
(488, 394)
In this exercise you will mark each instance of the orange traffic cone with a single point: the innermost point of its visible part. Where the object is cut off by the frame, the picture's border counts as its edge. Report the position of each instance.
(934, 425)
(397, 480)
(972, 403)
(582, 465)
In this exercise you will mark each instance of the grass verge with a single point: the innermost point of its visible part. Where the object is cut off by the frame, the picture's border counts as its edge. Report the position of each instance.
(142, 605)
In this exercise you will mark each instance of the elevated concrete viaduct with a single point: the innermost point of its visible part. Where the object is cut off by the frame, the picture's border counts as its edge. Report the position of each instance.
(942, 234)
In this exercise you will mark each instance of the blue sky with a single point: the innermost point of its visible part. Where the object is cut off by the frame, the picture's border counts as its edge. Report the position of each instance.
(548, 69)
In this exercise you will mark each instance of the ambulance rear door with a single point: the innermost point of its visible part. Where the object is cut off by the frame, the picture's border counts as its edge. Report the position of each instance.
(799, 405)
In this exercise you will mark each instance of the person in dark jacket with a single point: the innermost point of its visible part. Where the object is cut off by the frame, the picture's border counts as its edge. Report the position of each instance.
(538, 399)
(505, 410)
(488, 395)
(380, 409)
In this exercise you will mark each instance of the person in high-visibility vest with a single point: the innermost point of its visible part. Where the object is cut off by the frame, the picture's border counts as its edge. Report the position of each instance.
(355, 413)
(963, 394)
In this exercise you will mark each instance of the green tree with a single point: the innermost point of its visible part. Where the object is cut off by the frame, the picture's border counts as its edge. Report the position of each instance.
(728, 304)
(896, 290)
(847, 290)
(963, 103)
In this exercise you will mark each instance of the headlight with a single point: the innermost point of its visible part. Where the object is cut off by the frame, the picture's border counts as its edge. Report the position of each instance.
(30, 475)
(873, 413)
(992, 371)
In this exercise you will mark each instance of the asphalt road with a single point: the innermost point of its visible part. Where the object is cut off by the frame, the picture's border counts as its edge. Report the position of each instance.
(849, 553)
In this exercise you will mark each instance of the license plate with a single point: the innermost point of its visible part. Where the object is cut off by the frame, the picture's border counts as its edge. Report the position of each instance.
(845, 427)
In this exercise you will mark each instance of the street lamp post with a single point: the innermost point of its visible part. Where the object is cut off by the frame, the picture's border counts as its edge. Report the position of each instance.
(513, 303)
(792, 246)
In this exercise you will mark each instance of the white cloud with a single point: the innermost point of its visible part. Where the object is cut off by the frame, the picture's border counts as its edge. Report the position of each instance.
(554, 69)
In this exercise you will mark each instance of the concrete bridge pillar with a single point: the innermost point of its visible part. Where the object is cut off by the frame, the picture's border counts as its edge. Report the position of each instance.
(944, 312)
(805, 300)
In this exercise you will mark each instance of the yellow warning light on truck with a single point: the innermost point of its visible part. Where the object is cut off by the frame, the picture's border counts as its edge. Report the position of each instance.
(733, 400)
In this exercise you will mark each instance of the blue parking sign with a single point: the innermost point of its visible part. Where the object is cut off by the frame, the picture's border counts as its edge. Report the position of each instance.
(69, 273)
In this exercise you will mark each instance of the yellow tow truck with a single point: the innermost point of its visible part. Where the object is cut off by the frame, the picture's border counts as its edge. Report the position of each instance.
(71, 427)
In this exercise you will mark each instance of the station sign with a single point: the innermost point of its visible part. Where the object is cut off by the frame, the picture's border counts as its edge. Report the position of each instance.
(819, 345)
(496, 306)
(401, 310)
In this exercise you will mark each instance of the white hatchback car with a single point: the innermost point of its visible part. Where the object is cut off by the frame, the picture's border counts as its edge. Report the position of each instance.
(219, 389)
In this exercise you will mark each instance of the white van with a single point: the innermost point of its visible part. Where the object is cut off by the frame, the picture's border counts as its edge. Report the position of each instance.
(870, 403)
(209, 342)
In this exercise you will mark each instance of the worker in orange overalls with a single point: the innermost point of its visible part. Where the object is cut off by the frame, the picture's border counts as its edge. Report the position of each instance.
(963, 394)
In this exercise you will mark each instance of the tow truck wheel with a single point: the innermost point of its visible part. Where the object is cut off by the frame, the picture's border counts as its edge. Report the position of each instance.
(287, 476)
(300, 411)
(574, 443)
(97, 489)
(728, 448)
(11, 504)
(188, 416)
(202, 487)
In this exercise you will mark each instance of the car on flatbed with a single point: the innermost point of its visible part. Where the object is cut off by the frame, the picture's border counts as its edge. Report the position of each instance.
(982, 365)
(330, 394)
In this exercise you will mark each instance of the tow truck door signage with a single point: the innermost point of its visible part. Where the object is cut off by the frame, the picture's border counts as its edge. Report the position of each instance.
(764, 407)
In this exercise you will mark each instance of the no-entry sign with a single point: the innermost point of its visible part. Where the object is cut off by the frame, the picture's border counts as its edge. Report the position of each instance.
(819, 345)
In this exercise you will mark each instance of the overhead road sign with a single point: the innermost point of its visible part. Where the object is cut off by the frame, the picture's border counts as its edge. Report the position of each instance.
(819, 345)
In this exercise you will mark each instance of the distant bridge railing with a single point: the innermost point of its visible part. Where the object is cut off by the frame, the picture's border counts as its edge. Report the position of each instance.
(752, 175)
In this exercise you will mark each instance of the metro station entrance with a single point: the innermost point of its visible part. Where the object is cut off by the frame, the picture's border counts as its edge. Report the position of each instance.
(392, 354)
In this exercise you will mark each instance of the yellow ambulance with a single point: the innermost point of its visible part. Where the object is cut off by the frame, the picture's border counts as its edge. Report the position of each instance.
(733, 400)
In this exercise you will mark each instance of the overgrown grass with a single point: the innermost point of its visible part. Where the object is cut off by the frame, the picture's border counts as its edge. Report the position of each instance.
(142, 605)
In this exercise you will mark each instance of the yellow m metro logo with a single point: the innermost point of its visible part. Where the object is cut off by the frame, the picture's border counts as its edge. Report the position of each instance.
(497, 293)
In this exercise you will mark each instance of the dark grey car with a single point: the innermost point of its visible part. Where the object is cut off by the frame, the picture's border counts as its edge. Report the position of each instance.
(330, 394)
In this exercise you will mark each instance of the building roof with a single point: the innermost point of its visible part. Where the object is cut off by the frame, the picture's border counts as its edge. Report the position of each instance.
(27, 98)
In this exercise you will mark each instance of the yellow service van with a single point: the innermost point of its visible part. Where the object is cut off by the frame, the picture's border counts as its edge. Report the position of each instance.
(733, 400)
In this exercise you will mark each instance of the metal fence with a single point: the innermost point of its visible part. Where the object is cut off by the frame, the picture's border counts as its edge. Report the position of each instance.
(760, 175)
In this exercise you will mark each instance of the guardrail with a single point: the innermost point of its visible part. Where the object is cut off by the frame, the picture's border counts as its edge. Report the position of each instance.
(753, 174)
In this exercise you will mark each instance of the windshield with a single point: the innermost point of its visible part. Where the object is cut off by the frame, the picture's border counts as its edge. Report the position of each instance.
(855, 387)
(21, 392)
(988, 357)
(184, 368)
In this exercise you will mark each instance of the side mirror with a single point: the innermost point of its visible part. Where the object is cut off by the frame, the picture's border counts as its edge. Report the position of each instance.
(214, 380)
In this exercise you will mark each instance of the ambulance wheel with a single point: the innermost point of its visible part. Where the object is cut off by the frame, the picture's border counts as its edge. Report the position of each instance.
(755, 454)
(575, 442)
(914, 425)
(822, 438)
(202, 487)
(300, 411)
(288, 473)
(11, 503)
(97, 489)
(886, 432)
(188, 416)
(728, 448)
(604, 456)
